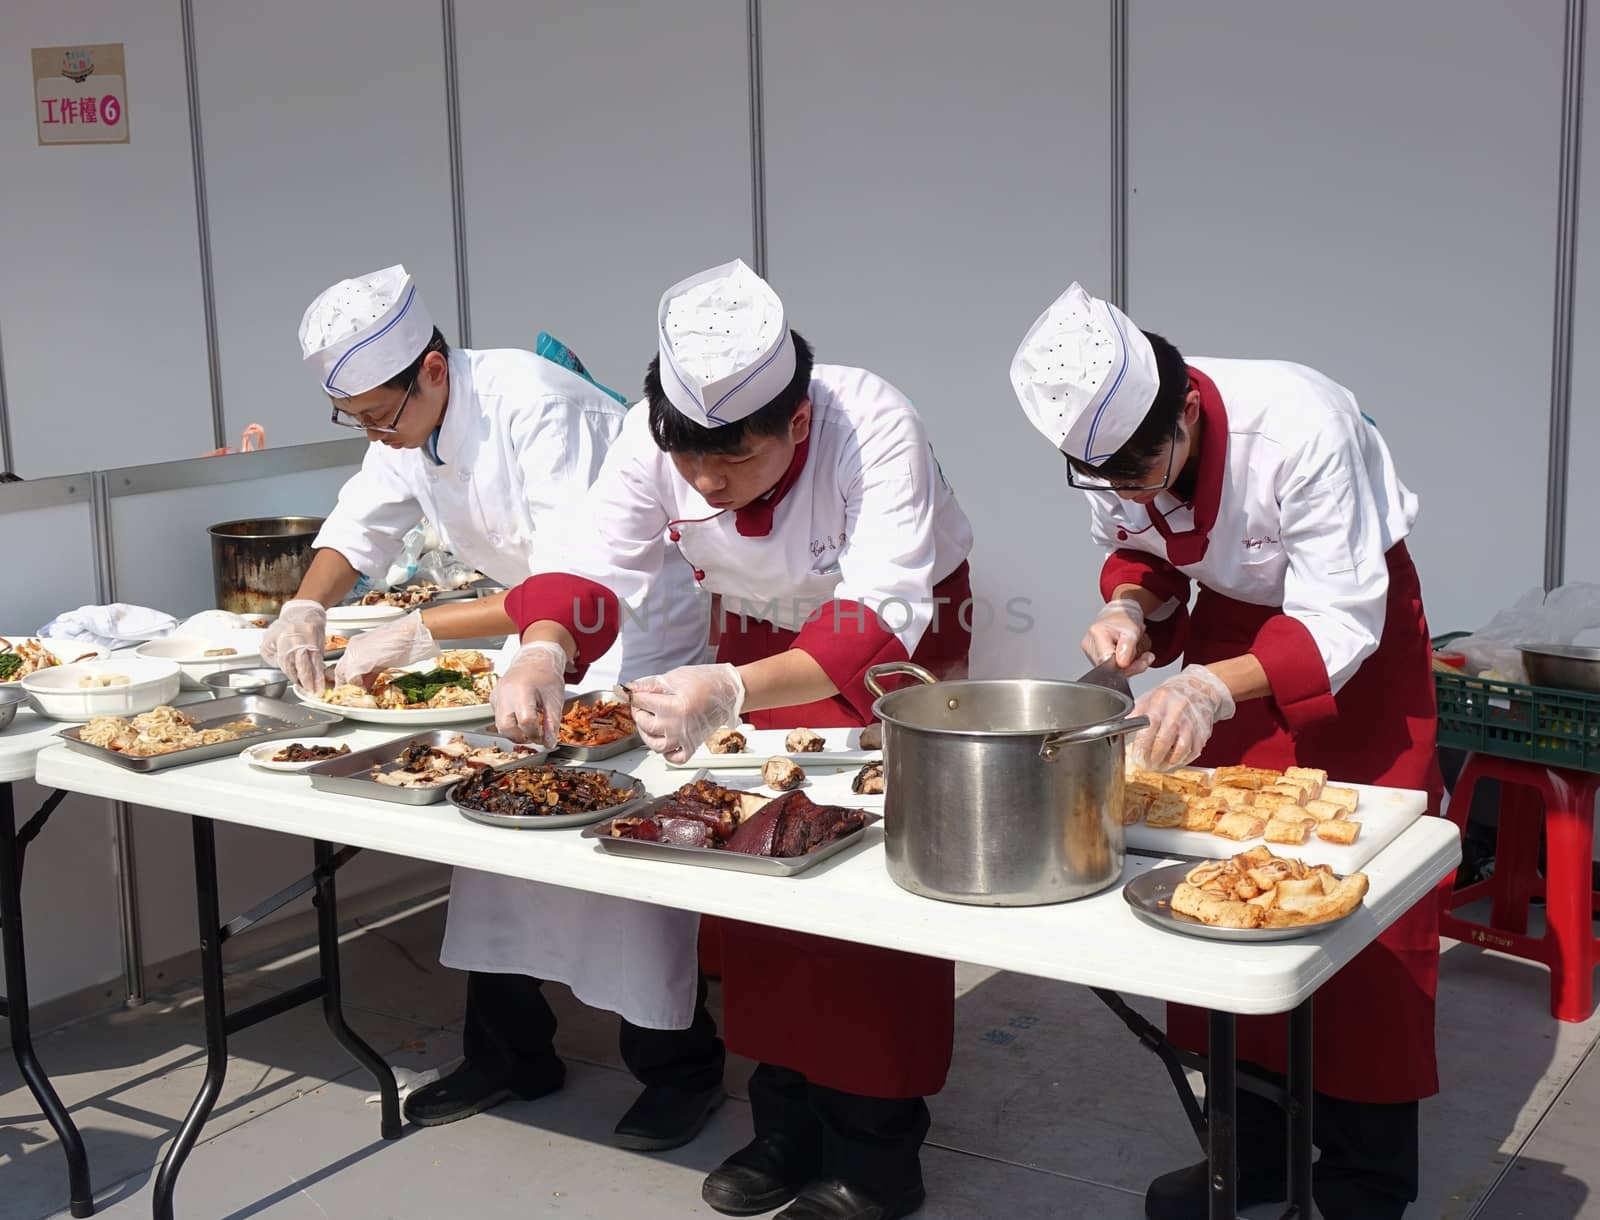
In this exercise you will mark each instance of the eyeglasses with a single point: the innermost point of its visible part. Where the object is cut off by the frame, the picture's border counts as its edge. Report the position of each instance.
(1087, 482)
(360, 425)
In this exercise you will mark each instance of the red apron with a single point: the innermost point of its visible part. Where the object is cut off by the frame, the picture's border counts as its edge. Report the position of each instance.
(1374, 1020)
(863, 1020)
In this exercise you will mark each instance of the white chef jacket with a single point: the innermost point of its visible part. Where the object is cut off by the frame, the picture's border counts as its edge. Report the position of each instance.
(1310, 507)
(870, 518)
(520, 442)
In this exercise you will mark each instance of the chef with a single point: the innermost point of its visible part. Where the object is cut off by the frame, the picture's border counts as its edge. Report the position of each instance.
(1261, 483)
(489, 446)
(807, 499)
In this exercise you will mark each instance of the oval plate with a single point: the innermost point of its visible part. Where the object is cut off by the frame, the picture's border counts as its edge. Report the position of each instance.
(260, 756)
(1150, 896)
(511, 821)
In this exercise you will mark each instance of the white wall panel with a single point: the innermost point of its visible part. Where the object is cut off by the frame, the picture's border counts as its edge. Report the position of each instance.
(326, 154)
(936, 175)
(1369, 188)
(66, 535)
(1583, 461)
(606, 153)
(100, 296)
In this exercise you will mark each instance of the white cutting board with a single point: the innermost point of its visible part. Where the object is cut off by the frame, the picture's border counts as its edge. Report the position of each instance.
(1382, 812)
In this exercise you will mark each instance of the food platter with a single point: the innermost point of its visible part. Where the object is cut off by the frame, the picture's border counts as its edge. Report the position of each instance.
(841, 749)
(413, 717)
(272, 717)
(260, 756)
(719, 857)
(351, 774)
(1149, 895)
(64, 651)
(615, 779)
(595, 753)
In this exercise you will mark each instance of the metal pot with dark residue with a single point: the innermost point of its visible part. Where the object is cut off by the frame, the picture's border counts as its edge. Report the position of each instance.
(259, 563)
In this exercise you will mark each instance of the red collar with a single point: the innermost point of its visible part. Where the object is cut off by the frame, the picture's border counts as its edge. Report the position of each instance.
(1189, 547)
(754, 520)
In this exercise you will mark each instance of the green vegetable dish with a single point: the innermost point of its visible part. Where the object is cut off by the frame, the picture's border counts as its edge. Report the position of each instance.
(419, 688)
(10, 666)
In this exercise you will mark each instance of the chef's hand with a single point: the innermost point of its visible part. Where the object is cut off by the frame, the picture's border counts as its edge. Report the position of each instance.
(1118, 632)
(295, 642)
(398, 643)
(527, 699)
(1183, 711)
(676, 711)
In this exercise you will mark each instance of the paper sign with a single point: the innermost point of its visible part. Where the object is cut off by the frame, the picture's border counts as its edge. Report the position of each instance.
(80, 94)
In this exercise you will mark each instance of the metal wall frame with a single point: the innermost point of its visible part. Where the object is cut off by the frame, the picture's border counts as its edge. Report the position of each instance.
(1118, 294)
(5, 419)
(758, 143)
(458, 191)
(202, 217)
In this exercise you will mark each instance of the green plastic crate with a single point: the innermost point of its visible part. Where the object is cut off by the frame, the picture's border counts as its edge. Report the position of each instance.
(1560, 728)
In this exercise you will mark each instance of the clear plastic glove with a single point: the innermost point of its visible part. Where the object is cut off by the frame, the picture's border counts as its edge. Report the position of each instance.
(678, 710)
(398, 643)
(1183, 711)
(295, 641)
(528, 698)
(1117, 632)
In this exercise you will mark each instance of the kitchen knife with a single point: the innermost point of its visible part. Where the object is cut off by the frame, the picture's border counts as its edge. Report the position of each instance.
(1109, 675)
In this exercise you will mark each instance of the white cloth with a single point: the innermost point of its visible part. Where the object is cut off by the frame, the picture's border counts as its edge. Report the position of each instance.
(362, 331)
(1085, 376)
(725, 345)
(117, 625)
(870, 518)
(521, 439)
(1310, 507)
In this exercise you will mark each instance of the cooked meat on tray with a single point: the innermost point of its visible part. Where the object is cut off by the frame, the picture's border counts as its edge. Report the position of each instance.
(803, 741)
(295, 752)
(407, 598)
(596, 724)
(781, 773)
(543, 791)
(868, 780)
(727, 741)
(703, 814)
(163, 730)
(427, 766)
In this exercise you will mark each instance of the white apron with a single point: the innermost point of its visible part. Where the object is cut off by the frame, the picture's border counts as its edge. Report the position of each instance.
(521, 441)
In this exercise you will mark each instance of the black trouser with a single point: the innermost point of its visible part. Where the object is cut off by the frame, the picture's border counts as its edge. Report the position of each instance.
(510, 1031)
(1367, 1169)
(869, 1142)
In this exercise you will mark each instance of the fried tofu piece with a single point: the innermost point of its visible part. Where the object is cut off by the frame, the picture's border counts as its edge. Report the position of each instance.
(1313, 779)
(1179, 786)
(1166, 812)
(1214, 910)
(1245, 777)
(1322, 810)
(1153, 779)
(1239, 826)
(1269, 803)
(1339, 830)
(1289, 830)
(1287, 787)
(1233, 798)
(1136, 800)
(1346, 798)
(1202, 812)
(1193, 775)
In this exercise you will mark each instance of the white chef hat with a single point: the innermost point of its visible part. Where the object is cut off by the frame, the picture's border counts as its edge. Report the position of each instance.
(1085, 376)
(363, 331)
(725, 345)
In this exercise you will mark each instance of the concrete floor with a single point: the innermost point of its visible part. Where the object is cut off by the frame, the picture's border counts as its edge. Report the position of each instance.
(1052, 1109)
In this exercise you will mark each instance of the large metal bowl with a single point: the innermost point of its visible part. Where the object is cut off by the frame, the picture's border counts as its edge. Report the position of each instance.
(11, 698)
(261, 680)
(1563, 666)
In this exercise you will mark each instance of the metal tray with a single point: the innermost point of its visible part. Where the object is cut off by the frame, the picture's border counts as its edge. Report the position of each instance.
(274, 717)
(595, 753)
(717, 857)
(1150, 893)
(351, 774)
(560, 821)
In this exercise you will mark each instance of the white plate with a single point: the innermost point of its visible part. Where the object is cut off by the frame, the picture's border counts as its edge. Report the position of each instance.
(358, 617)
(420, 717)
(57, 695)
(842, 751)
(261, 756)
(65, 651)
(188, 653)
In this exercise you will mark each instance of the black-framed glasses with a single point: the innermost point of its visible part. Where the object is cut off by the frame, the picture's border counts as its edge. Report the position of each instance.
(1088, 482)
(387, 429)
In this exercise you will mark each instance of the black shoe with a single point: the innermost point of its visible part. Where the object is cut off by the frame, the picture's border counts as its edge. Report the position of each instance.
(470, 1090)
(666, 1117)
(764, 1174)
(831, 1199)
(1185, 1194)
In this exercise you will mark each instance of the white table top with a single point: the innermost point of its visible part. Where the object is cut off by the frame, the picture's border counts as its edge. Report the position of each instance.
(1094, 942)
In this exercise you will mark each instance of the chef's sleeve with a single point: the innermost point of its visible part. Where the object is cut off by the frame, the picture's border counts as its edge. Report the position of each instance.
(883, 603)
(1336, 587)
(375, 510)
(606, 556)
(559, 450)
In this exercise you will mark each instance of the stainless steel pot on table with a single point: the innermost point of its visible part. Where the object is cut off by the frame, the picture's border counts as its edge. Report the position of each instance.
(1563, 666)
(1002, 792)
(258, 564)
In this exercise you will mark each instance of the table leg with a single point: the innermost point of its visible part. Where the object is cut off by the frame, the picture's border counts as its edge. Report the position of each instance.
(1299, 1109)
(80, 1194)
(332, 1010)
(1222, 1112)
(206, 900)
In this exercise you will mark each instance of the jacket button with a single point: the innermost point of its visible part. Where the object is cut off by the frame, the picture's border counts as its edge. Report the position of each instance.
(1122, 535)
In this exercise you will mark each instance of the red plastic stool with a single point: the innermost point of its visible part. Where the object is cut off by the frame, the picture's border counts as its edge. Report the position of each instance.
(1569, 946)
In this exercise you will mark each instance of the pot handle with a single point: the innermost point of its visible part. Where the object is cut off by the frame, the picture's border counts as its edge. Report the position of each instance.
(908, 668)
(1106, 729)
